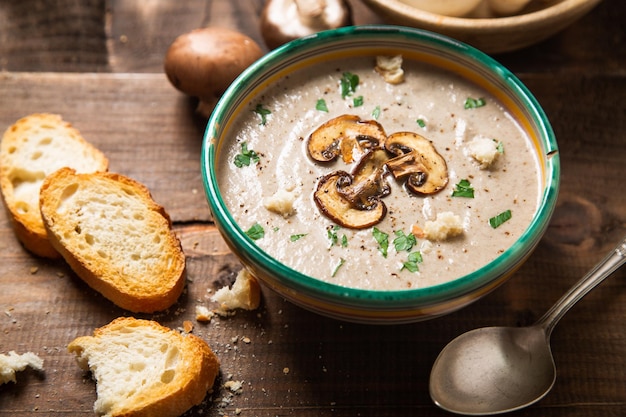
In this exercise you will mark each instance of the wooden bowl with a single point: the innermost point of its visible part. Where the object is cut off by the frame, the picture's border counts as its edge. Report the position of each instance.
(535, 23)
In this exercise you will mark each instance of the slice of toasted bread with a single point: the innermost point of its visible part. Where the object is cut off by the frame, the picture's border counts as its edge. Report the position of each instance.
(144, 369)
(115, 237)
(31, 149)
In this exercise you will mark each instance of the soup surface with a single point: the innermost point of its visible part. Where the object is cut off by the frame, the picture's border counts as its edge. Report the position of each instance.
(268, 179)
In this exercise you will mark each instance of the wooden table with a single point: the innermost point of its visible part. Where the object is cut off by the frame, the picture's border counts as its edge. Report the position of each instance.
(99, 64)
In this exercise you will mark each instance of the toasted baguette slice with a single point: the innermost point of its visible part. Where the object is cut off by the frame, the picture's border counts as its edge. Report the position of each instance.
(144, 369)
(115, 237)
(31, 149)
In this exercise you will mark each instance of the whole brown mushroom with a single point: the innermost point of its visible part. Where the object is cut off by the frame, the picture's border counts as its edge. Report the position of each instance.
(285, 20)
(204, 62)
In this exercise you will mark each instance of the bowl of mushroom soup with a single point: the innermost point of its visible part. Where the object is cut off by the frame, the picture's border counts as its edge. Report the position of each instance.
(380, 174)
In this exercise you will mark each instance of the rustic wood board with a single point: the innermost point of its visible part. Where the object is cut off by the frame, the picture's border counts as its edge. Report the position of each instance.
(297, 363)
(110, 85)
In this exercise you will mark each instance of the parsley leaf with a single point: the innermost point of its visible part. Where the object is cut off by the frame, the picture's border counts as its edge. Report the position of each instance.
(497, 221)
(382, 239)
(299, 236)
(473, 103)
(421, 123)
(403, 242)
(376, 112)
(499, 146)
(341, 262)
(463, 189)
(255, 232)
(334, 237)
(246, 156)
(411, 264)
(321, 105)
(348, 83)
(263, 112)
(357, 101)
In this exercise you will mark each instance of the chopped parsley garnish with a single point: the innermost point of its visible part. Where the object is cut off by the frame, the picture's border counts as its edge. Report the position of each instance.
(382, 239)
(341, 262)
(358, 101)
(246, 156)
(463, 189)
(403, 242)
(255, 232)
(299, 236)
(321, 105)
(376, 112)
(263, 112)
(421, 123)
(472, 103)
(334, 237)
(348, 83)
(413, 259)
(497, 221)
(499, 146)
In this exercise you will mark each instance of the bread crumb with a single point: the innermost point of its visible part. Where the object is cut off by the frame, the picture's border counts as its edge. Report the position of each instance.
(203, 314)
(234, 386)
(281, 203)
(483, 150)
(34, 270)
(445, 226)
(244, 294)
(390, 68)
(187, 326)
(285, 370)
(12, 363)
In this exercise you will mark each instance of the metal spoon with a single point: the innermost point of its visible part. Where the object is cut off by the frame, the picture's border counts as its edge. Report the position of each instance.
(495, 370)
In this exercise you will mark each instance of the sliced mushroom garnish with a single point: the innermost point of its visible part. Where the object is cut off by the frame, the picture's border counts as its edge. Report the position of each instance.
(408, 164)
(332, 204)
(418, 161)
(368, 185)
(347, 136)
(354, 200)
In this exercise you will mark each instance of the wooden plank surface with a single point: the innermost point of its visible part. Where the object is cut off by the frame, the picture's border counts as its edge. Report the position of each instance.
(293, 362)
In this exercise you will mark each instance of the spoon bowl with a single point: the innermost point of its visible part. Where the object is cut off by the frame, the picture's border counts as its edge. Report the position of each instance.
(493, 368)
(496, 370)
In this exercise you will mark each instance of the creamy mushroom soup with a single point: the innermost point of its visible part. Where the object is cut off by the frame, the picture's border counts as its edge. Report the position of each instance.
(269, 176)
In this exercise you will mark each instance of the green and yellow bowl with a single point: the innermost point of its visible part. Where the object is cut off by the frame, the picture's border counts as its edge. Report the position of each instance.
(369, 306)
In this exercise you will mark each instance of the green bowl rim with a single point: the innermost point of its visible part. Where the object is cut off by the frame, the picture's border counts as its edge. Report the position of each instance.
(316, 288)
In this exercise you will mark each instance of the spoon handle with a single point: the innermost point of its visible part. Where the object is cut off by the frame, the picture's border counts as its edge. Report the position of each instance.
(602, 270)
